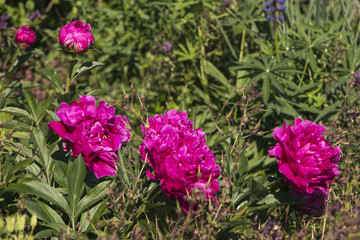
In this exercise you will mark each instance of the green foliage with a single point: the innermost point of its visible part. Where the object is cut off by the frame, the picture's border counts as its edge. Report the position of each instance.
(222, 69)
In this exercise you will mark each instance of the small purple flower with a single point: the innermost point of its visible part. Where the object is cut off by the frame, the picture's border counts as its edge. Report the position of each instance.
(34, 15)
(273, 6)
(227, 2)
(166, 47)
(357, 78)
(3, 20)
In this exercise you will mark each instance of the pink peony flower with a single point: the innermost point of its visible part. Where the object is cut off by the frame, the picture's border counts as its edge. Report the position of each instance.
(305, 157)
(25, 36)
(179, 156)
(76, 36)
(94, 132)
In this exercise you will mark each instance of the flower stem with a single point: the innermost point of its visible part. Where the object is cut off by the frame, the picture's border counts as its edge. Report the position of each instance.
(276, 43)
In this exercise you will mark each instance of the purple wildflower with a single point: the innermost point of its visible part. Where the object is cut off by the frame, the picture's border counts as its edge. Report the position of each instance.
(357, 78)
(34, 15)
(166, 47)
(272, 7)
(3, 20)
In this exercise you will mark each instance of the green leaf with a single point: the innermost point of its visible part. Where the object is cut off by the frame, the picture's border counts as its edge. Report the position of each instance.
(94, 214)
(123, 168)
(266, 89)
(327, 111)
(39, 139)
(95, 195)
(214, 72)
(257, 191)
(53, 115)
(53, 77)
(19, 166)
(43, 211)
(31, 101)
(42, 190)
(20, 60)
(17, 112)
(87, 67)
(75, 177)
(60, 173)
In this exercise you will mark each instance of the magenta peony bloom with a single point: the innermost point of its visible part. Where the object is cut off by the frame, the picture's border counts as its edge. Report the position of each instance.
(305, 157)
(76, 36)
(94, 132)
(25, 36)
(179, 156)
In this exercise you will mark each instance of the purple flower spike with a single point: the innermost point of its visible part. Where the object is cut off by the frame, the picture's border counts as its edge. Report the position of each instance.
(274, 8)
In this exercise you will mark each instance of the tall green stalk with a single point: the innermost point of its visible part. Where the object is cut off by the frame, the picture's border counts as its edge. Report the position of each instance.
(276, 42)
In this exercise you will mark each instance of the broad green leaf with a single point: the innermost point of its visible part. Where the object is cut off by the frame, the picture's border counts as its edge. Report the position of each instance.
(60, 173)
(53, 77)
(75, 177)
(17, 112)
(87, 67)
(43, 211)
(42, 190)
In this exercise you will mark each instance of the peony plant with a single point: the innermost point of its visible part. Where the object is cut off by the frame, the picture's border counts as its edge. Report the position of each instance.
(306, 158)
(179, 157)
(25, 37)
(76, 36)
(92, 131)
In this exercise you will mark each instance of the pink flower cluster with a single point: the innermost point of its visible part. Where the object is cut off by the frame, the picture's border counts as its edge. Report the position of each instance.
(92, 131)
(179, 156)
(76, 36)
(25, 36)
(306, 159)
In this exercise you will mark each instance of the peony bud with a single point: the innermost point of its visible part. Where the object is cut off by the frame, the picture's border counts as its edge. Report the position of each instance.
(25, 36)
(76, 36)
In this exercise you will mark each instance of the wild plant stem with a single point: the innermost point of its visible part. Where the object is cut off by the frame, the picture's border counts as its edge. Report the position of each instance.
(276, 43)
(203, 77)
(242, 45)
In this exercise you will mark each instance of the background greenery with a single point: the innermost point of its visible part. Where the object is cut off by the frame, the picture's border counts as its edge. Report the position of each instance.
(222, 70)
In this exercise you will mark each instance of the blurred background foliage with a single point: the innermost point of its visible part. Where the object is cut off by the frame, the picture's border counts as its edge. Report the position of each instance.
(214, 59)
